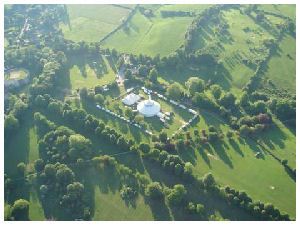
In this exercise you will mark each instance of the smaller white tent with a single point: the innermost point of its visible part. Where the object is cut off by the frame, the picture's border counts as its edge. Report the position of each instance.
(131, 99)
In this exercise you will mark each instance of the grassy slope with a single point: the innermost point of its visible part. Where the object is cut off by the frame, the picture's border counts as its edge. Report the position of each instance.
(150, 36)
(92, 22)
(281, 67)
(234, 164)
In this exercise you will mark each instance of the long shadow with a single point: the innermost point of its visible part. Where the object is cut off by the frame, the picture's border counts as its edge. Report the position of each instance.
(221, 152)
(159, 210)
(236, 147)
(187, 154)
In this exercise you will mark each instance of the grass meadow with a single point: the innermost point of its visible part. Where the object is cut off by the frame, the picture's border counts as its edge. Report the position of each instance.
(92, 22)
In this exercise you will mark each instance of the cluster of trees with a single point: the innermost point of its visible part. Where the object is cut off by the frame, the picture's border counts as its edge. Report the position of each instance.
(58, 181)
(241, 199)
(285, 110)
(200, 21)
(53, 65)
(61, 144)
(176, 196)
(18, 211)
(17, 107)
(171, 162)
(254, 124)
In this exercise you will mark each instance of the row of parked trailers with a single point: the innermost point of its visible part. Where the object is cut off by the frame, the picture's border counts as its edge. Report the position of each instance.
(123, 118)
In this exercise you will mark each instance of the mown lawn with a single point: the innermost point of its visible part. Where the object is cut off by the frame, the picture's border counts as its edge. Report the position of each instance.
(152, 36)
(282, 66)
(92, 22)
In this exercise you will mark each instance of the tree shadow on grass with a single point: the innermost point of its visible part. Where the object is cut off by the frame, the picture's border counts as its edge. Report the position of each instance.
(221, 152)
(236, 147)
(187, 154)
(159, 209)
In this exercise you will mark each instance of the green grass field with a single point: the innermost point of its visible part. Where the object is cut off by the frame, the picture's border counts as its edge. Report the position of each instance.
(85, 76)
(152, 36)
(110, 206)
(234, 163)
(92, 22)
(281, 67)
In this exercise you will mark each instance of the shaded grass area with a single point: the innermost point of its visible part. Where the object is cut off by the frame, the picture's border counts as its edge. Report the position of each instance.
(92, 22)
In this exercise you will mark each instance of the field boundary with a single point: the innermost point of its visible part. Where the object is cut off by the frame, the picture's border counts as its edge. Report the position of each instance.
(131, 14)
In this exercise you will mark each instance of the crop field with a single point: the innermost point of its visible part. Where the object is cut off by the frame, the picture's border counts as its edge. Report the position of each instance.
(92, 22)
(150, 36)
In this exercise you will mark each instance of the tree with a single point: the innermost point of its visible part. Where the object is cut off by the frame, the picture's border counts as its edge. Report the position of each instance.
(178, 169)
(50, 171)
(21, 167)
(195, 84)
(200, 209)
(144, 147)
(20, 210)
(99, 99)
(177, 194)
(11, 124)
(139, 118)
(153, 75)
(39, 165)
(209, 180)
(175, 91)
(163, 137)
(129, 113)
(216, 90)
(154, 191)
(228, 100)
(64, 175)
(79, 146)
(188, 168)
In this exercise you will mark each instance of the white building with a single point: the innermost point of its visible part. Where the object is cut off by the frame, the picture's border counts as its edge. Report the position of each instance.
(148, 108)
(131, 99)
